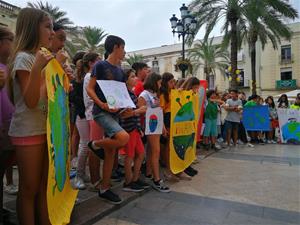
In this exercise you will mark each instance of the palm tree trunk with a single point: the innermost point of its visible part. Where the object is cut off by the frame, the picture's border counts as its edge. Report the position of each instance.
(233, 53)
(253, 66)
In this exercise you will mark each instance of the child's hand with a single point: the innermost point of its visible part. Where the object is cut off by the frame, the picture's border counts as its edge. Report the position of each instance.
(127, 113)
(142, 133)
(165, 132)
(105, 107)
(2, 78)
(42, 58)
(61, 56)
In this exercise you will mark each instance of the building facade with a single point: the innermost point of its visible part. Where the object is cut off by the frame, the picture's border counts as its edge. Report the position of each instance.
(276, 70)
(8, 15)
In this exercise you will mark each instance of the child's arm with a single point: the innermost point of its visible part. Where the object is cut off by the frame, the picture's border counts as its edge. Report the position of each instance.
(30, 82)
(91, 92)
(142, 104)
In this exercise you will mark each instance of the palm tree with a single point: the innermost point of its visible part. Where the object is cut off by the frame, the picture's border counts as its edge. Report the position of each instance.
(211, 56)
(264, 22)
(57, 15)
(210, 12)
(92, 38)
(131, 59)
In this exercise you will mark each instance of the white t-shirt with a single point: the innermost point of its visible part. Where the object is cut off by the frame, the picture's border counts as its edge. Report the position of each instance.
(88, 102)
(25, 121)
(151, 99)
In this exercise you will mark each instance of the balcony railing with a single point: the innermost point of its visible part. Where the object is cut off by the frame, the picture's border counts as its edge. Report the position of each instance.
(286, 84)
(284, 61)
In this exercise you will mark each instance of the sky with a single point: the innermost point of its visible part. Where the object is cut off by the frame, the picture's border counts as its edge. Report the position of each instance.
(141, 23)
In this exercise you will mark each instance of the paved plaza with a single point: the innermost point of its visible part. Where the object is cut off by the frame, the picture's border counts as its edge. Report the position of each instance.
(246, 186)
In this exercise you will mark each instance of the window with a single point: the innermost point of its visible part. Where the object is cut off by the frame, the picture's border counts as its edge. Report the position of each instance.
(241, 83)
(286, 53)
(286, 74)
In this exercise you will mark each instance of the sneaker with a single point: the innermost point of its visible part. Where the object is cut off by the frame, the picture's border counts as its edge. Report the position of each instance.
(132, 187)
(240, 142)
(11, 189)
(79, 183)
(274, 142)
(190, 171)
(142, 184)
(115, 176)
(269, 142)
(216, 147)
(111, 197)
(183, 176)
(250, 145)
(160, 186)
(98, 152)
(261, 142)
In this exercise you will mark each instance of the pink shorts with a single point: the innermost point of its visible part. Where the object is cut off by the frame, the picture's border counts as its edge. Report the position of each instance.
(29, 140)
(135, 144)
(96, 132)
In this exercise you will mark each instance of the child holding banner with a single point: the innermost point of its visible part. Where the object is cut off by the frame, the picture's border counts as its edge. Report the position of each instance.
(108, 118)
(149, 97)
(167, 84)
(134, 149)
(28, 126)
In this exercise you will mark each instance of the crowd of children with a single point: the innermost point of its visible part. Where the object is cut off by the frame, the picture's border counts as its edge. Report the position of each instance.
(99, 132)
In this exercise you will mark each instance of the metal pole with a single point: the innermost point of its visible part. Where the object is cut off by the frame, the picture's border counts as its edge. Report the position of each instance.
(183, 34)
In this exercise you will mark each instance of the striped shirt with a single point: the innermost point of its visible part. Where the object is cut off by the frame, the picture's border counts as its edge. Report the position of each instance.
(131, 123)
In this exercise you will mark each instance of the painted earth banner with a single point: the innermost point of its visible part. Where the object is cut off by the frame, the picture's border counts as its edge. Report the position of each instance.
(256, 118)
(183, 131)
(60, 195)
(202, 98)
(289, 124)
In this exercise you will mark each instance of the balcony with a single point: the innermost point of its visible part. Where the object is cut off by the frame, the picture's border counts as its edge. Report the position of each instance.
(286, 84)
(285, 61)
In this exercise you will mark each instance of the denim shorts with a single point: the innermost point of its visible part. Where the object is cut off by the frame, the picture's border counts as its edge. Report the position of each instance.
(109, 123)
(231, 125)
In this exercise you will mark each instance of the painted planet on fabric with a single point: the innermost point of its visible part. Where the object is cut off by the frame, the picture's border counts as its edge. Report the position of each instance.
(182, 143)
(185, 113)
(153, 121)
(58, 111)
(291, 132)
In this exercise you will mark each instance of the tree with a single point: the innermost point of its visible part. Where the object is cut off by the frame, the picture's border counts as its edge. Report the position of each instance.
(265, 22)
(57, 15)
(211, 56)
(210, 12)
(91, 40)
(134, 58)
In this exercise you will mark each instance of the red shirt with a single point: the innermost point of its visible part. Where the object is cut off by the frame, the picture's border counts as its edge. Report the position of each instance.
(139, 87)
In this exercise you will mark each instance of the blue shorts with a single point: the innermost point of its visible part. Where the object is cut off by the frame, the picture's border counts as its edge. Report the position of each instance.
(109, 123)
(210, 129)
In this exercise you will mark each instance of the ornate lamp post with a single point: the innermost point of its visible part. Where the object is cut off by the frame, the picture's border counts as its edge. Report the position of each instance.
(184, 26)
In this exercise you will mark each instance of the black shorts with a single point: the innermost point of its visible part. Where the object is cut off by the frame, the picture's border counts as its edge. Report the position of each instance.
(167, 120)
(231, 125)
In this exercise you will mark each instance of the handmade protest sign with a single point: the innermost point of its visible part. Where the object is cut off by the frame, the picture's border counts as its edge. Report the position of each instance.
(256, 118)
(116, 94)
(183, 131)
(154, 121)
(60, 195)
(289, 124)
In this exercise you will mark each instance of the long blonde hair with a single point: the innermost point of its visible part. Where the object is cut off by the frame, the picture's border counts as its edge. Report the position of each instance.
(27, 36)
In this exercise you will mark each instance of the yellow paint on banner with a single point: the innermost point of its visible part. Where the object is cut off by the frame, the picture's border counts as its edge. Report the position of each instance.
(60, 195)
(183, 131)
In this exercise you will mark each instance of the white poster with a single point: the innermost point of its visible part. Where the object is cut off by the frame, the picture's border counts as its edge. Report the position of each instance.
(289, 124)
(116, 94)
(154, 121)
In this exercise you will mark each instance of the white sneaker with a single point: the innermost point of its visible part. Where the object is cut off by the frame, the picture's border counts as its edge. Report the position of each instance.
(269, 141)
(79, 183)
(11, 189)
(240, 142)
(274, 142)
(250, 145)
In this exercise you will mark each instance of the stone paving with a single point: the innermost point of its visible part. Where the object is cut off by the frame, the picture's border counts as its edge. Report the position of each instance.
(245, 186)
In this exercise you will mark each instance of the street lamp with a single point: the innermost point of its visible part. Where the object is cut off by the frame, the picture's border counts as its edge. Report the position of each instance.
(184, 26)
